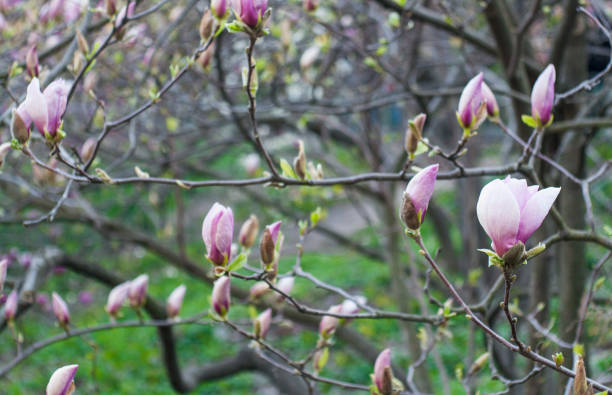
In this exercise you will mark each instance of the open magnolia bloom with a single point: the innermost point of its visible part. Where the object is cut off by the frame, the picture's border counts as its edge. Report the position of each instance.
(510, 211)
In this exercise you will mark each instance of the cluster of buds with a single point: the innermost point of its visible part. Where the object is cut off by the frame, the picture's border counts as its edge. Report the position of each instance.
(60, 309)
(415, 199)
(44, 109)
(62, 381)
(221, 296)
(510, 212)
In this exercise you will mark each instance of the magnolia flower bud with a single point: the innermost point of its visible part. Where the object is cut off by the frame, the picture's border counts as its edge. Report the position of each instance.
(261, 325)
(32, 62)
(10, 306)
(221, 296)
(258, 289)
(311, 5)
(479, 363)
(62, 381)
(510, 211)
(250, 12)
(414, 133)
(175, 300)
(219, 8)
(60, 309)
(217, 232)
(581, 386)
(19, 130)
(251, 163)
(5, 148)
(416, 197)
(248, 232)
(3, 266)
(299, 163)
(116, 298)
(543, 96)
(137, 292)
(267, 245)
(515, 255)
(383, 376)
(491, 102)
(82, 43)
(319, 359)
(111, 7)
(206, 56)
(206, 25)
(329, 323)
(470, 112)
(87, 149)
(285, 285)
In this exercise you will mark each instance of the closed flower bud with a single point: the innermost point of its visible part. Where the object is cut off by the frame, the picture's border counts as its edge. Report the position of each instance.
(383, 377)
(206, 56)
(175, 301)
(543, 96)
(5, 148)
(319, 359)
(285, 285)
(414, 133)
(479, 363)
(60, 309)
(10, 306)
(510, 211)
(116, 298)
(267, 245)
(217, 233)
(3, 266)
(311, 5)
(221, 296)
(416, 197)
(258, 289)
(219, 8)
(82, 43)
(299, 163)
(329, 323)
(206, 25)
(248, 232)
(261, 325)
(62, 381)
(581, 386)
(490, 101)
(32, 62)
(137, 292)
(111, 7)
(19, 130)
(87, 149)
(470, 111)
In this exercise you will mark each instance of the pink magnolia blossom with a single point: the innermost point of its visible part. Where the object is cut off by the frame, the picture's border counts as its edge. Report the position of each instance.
(489, 99)
(382, 362)
(219, 8)
(250, 12)
(45, 109)
(10, 306)
(175, 301)
(329, 323)
(285, 285)
(543, 96)
(262, 323)
(417, 195)
(217, 232)
(60, 309)
(221, 296)
(137, 292)
(470, 103)
(116, 298)
(62, 381)
(510, 211)
(258, 289)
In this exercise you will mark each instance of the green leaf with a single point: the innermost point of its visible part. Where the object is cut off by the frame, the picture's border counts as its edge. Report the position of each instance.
(323, 359)
(393, 19)
(237, 263)
(172, 124)
(287, 170)
(529, 121)
(600, 281)
(234, 27)
(421, 148)
(488, 252)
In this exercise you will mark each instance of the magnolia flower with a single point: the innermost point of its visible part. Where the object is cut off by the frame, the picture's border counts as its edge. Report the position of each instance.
(137, 292)
(221, 296)
(311, 5)
(87, 149)
(417, 195)
(490, 101)
(60, 309)
(329, 323)
(267, 245)
(32, 62)
(219, 8)
(175, 300)
(46, 108)
(62, 381)
(217, 232)
(382, 372)
(248, 232)
(250, 12)
(10, 306)
(543, 96)
(3, 266)
(469, 112)
(116, 297)
(285, 285)
(262, 324)
(258, 289)
(510, 211)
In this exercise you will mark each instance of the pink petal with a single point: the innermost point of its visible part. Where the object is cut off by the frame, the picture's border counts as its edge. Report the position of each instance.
(421, 187)
(56, 96)
(499, 215)
(470, 100)
(543, 94)
(535, 211)
(274, 230)
(520, 190)
(383, 360)
(213, 214)
(35, 105)
(225, 233)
